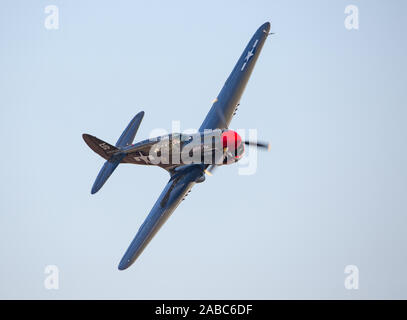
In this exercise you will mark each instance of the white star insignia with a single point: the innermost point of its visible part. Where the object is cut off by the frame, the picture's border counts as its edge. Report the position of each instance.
(249, 55)
(142, 157)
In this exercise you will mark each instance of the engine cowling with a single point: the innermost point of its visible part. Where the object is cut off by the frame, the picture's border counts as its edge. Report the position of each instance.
(233, 146)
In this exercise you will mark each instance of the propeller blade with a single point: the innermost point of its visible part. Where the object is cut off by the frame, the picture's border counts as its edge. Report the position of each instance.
(262, 145)
(211, 169)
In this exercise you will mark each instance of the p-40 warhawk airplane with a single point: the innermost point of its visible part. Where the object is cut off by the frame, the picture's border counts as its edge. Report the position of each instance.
(187, 158)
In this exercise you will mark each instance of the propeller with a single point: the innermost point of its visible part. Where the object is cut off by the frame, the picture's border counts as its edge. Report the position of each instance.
(211, 169)
(261, 145)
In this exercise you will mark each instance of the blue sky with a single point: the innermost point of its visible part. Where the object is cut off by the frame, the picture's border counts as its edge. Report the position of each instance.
(331, 193)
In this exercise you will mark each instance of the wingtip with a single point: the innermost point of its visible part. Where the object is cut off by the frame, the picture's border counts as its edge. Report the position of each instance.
(266, 26)
(124, 264)
(140, 114)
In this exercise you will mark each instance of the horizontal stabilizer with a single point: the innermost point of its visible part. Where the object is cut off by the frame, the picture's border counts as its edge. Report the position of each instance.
(113, 154)
(105, 173)
(129, 133)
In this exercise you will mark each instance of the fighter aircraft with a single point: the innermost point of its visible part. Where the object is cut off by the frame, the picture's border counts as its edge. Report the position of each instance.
(187, 157)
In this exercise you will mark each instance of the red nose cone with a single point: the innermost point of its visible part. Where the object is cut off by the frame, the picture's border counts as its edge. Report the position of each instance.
(231, 140)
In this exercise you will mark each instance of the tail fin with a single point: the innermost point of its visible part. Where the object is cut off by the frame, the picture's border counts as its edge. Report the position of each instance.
(112, 154)
(102, 148)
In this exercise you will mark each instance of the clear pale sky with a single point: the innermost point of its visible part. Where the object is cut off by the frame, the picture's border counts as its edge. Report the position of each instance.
(331, 193)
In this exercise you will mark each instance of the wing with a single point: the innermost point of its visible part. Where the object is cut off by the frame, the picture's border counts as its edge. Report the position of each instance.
(175, 190)
(228, 99)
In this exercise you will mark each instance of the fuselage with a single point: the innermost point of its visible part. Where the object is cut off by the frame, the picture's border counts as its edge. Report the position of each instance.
(209, 147)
